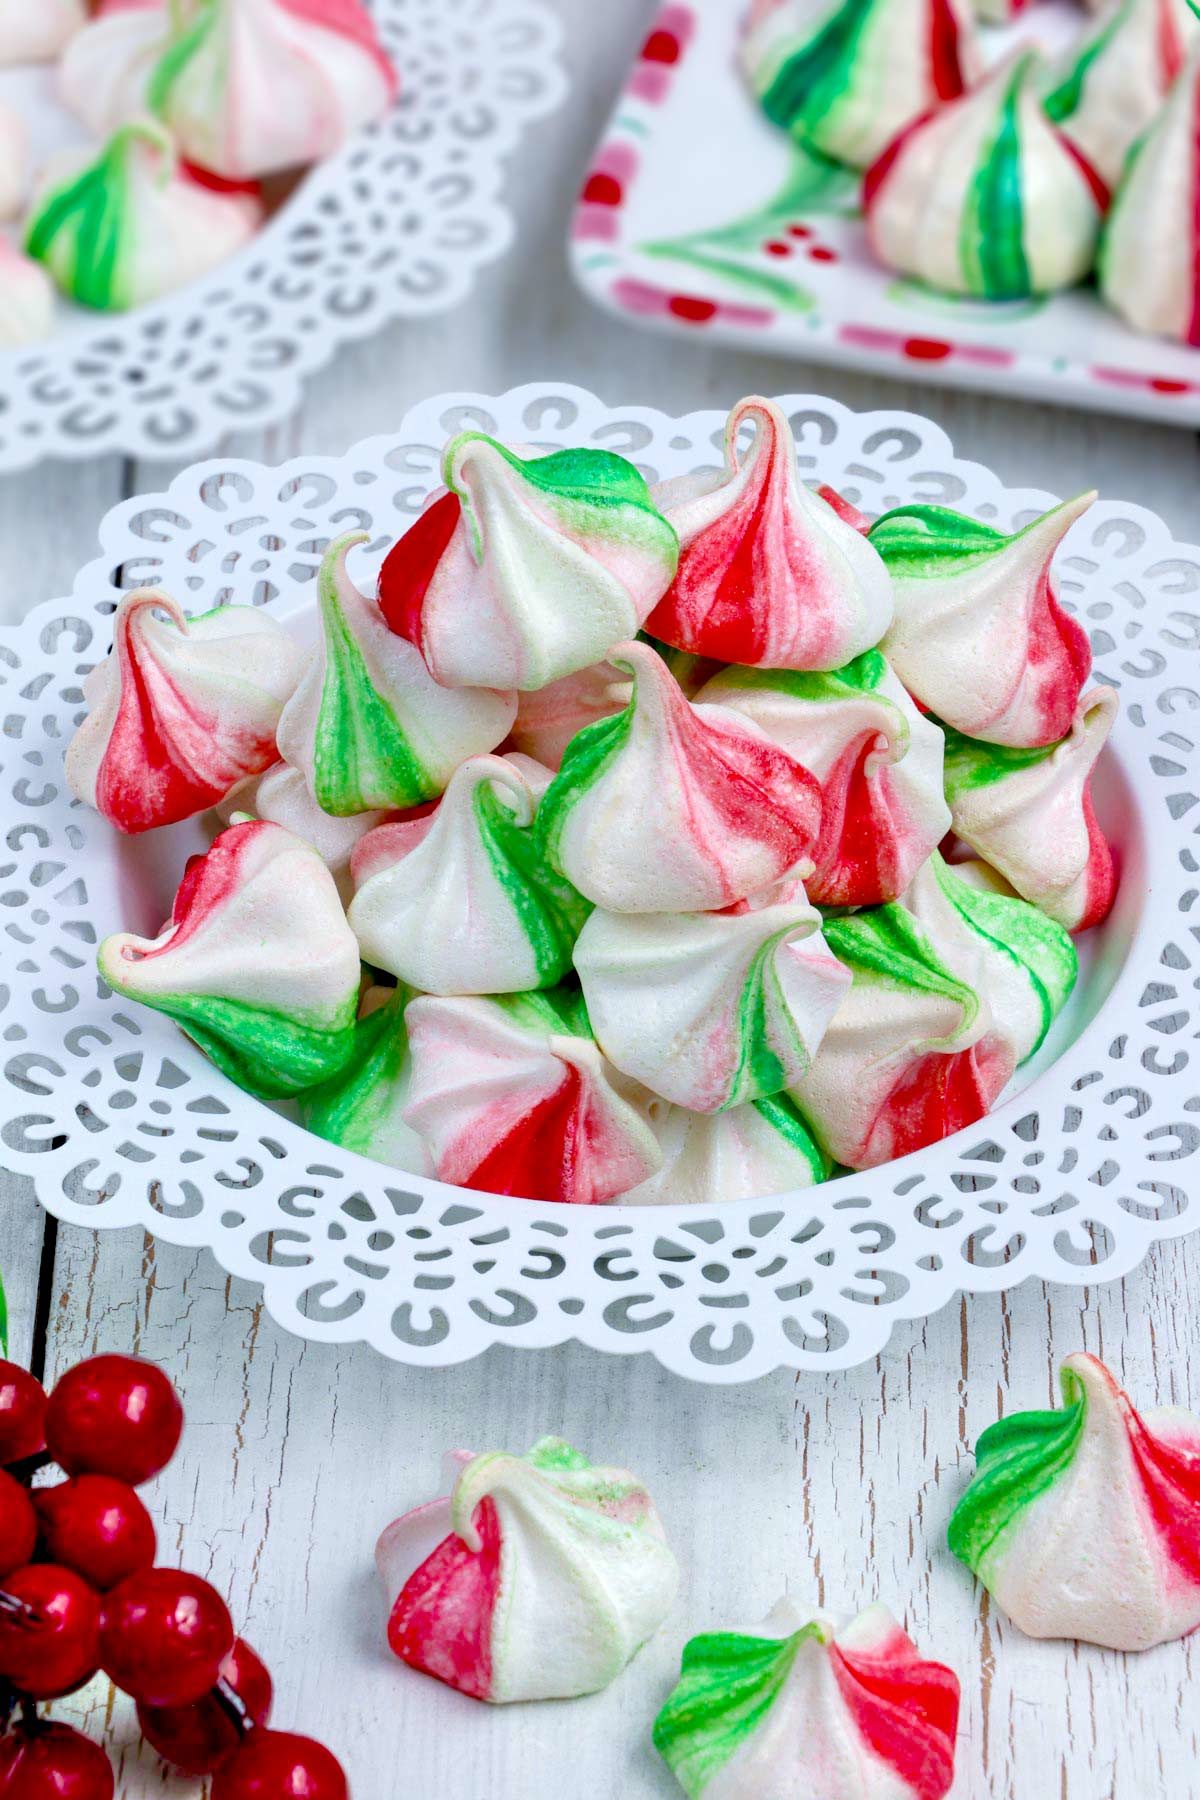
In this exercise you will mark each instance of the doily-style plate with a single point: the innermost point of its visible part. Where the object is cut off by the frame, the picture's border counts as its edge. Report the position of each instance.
(697, 215)
(121, 1121)
(395, 226)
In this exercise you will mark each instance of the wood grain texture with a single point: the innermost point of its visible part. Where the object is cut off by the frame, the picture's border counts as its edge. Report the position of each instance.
(836, 1489)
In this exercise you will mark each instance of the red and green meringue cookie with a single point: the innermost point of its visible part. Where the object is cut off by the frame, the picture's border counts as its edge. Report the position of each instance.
(986, 196)
(257, 963)
(1112, 83)
(878, 761)
(1149, 265)
(539, 1577)
(127, 226)
(712, 1009)
(460, 900)
(979, 636)
(1085, 1522)
(844, 76)
(368, 725)
(806, 1710)
(362, 1107)
(531, 567)
(770, 576)
(1029, 814)
(181, 711)
(675, 807)
(745, 1153)
(511, 1095)
(283, 796)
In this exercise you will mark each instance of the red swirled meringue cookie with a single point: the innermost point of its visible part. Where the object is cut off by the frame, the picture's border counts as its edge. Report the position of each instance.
(538, 1577)
(1029, 813)
(548, 718)
(675, 807)
(511, 1095)
(770, 575)
(877, 758)
(530, 568)
(283, 797)
(979, 636)
(181, 712)
(36, 31)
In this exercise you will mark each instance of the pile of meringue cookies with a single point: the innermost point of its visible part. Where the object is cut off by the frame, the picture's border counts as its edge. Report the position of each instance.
(193, 105)
(539, 1577)
(512, 895)
(1014, 180)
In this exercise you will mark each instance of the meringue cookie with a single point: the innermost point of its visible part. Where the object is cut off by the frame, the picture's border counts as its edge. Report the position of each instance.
(986, 196)
(1023, 963)
(459, 901)
(538, 1578)
(844, 76)
(126, 227)
(744, 1153)
(979, 637)
(878, 760)
(712, 1009)
(35, 31)
(530, 568)
(673, 807)
(769, 575)
(362, 1107)
(181, 711)
(1149, 265)
(14, 156)
(26, 299)
(283, 796)
(1112, 83)
(1085, 1522)
(368, 724)
(511, 1095)
(548, 718)
(257, 963)
(1029, 813)
(913, 1052)
(804, 1710)
(246, 87)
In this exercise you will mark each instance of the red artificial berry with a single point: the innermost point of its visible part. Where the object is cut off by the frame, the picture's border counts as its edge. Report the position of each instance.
(114, 1415)
(18, 1525)
(53, 1763)
(22, 1413)
(164, 1635)
(278, 1765)
(198, 1739)
(49, 1630)
(96, 1526)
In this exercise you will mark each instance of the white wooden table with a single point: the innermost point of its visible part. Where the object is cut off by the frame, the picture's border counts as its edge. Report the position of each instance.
(836, 1488)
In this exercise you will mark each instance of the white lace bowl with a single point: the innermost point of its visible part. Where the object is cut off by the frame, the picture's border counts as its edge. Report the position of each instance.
(397, 225)
(120, 1120)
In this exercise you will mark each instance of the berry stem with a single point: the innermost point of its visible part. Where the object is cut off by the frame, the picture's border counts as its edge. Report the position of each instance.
(29, 1466)
(29, 1715)
(19, 1611)
(233, 1706)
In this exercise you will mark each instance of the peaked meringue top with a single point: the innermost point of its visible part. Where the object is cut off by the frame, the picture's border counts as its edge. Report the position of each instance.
(1112, 82)
(181, 711)
(979, 637)
(805, 1709)
(675, 807)
(531, 567)
(769, 574)
(1085, 1522)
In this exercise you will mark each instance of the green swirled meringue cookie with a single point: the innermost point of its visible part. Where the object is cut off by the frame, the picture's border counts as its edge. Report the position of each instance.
(362, 1106)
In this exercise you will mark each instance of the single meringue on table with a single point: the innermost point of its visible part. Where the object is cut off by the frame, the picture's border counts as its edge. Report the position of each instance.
(530, 568)
(539, 1577)
(1029, 814)
(743, 1153)
(986, 196)
(362, 1107)
(257, 963)
(368, 725)
(181, 712)
(1085, 1522)
(675, 807)
(979, 636)
(878, 761)
(126, 227)
(1113, 81)
(805, 1709)
(26, 299)
(712, 1009)
(36, 31)
(770, 575)
(246, 87)
(844, 76)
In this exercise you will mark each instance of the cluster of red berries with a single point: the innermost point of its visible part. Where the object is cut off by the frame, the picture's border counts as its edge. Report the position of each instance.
(79, 1592)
